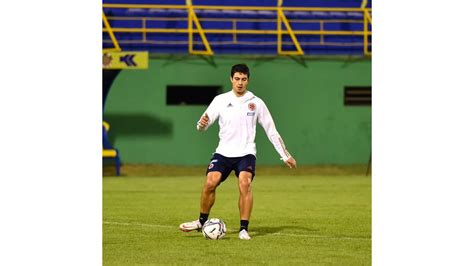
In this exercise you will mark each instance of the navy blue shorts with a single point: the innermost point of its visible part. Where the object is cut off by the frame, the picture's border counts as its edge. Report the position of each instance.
(225, 165)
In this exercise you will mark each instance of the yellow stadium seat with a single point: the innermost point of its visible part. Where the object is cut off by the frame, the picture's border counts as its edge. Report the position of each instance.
(109, 152)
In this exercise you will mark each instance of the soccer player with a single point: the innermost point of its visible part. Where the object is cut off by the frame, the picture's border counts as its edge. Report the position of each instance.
(237, 112)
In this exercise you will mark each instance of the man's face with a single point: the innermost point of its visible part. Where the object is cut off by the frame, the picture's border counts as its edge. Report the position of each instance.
(239, 83)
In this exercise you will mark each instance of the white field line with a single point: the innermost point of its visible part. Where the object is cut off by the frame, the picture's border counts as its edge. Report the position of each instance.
(139, 224)
(234, 231)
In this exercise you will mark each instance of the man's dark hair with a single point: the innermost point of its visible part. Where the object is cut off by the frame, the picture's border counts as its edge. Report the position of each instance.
(242, 68)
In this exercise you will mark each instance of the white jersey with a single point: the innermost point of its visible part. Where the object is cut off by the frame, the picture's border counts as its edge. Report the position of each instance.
(238, 117)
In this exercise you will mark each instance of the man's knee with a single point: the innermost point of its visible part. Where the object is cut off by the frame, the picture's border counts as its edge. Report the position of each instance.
(245, 180)
(212, 181)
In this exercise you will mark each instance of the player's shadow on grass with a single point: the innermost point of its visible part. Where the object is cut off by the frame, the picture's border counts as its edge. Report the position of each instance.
(200, 235)
(262, 231)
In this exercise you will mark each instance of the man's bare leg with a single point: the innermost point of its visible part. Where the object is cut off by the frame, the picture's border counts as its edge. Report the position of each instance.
(245, 202)
(208, 196)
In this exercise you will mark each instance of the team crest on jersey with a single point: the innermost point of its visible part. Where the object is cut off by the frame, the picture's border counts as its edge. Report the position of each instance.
(210, 166)
(252, 106)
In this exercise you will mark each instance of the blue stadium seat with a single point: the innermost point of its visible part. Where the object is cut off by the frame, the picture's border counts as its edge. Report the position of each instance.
(222, 43)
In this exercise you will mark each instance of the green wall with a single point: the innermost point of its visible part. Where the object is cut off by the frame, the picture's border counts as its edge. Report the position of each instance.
(305, 99)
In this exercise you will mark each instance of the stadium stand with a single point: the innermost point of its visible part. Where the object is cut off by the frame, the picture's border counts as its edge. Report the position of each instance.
(320, 27)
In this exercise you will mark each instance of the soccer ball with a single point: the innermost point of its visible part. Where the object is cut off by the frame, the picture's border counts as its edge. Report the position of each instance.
(214, 229)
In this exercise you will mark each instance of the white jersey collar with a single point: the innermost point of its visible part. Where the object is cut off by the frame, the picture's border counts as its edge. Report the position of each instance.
(247, 96)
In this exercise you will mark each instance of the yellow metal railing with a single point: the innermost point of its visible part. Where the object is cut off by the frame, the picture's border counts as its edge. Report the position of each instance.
(367, 20)
(193, 20)
(111, 34)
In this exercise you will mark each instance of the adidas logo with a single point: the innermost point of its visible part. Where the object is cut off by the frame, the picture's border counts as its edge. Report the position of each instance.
(229, 105)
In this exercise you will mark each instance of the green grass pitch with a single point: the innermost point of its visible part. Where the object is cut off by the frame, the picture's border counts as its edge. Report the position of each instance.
(297, 220)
